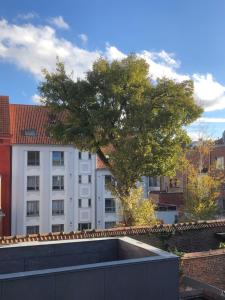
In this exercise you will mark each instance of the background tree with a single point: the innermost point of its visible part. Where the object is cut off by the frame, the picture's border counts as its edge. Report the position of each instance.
(203, 183)
(118, 105)
(136, 210)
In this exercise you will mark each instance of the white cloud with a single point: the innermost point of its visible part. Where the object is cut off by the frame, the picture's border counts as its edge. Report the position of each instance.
(208, 92)
(27, 16)
(36, 99)
(210, 120)
(161, 65)
(59, 22)
(84, 38)
(33, 48)
(113, 53)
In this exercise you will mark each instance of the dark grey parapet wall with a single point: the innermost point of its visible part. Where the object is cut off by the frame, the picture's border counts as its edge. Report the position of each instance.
(136, 272)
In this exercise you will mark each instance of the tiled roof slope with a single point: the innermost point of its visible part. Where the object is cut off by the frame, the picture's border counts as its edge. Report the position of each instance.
(122, 231)
(4, 116)
(27, 117)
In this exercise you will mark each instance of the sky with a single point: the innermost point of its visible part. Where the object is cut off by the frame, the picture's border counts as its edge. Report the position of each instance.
(179, 39)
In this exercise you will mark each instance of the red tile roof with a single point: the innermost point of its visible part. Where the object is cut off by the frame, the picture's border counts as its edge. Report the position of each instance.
(4, 116)
(28, 117)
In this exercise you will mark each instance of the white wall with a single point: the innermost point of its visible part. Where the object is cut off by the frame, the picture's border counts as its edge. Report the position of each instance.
(72, 189)
(168, 217)
(101, 194)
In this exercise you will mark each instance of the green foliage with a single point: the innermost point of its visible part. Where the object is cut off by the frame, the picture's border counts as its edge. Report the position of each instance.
(164, 238)
(222, 245)
(117, 105)
(202, 189)
(136, 210)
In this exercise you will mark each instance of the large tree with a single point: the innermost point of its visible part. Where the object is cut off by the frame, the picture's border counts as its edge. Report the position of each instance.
(118, 107)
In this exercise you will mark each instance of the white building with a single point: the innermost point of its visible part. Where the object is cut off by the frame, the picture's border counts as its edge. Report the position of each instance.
(55, 187)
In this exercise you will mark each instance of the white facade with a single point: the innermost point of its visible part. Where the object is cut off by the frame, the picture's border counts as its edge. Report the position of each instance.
(78, 172)
(79, 201)
(105, 216)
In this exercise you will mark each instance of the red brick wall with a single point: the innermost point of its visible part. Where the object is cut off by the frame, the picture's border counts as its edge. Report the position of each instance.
(172, 198)
(208, 267)
(5, 171)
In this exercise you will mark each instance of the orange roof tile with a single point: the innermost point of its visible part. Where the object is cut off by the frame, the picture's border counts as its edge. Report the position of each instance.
(28, 117)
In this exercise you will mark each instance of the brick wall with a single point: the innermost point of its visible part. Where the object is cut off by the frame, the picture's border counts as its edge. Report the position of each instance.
(208, 267)
(192, 240)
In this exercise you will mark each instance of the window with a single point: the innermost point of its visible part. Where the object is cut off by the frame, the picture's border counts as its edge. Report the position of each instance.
(89, 155)
(84, 226)
(108, 181)
(58, 158)
(57, 227)
(153, 181)
(110, 224)
(110, 205)
(32, 229)
(30, 132)
(58, 183)
(33, 158)
(174, 183)
(89, 202)
(32, 208)
(57, 207)
(79, 202)
(33, 183)
(80, 179)
(220, 163)
(89, 178)
(80, 155)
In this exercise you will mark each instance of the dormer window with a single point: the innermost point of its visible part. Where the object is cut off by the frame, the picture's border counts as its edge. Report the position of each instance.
(30, 132)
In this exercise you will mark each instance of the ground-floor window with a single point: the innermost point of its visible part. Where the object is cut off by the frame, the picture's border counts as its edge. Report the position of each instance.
(110, 224)
(84, 226)
(57, 227)
(33, 229)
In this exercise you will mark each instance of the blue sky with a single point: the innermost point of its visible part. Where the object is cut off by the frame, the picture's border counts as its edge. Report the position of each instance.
(179, 39)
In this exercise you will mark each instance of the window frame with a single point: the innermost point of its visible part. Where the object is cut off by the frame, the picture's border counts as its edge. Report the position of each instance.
(36, 183)
(59, 225)
(59, 211)
(34, 227)
(35, 161)
(85, 223)
(60, 161)
(61, 184)
(37, 209)
(112, 208)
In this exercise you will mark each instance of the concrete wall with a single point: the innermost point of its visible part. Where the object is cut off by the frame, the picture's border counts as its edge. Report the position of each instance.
(146, 277)
(158, 281)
